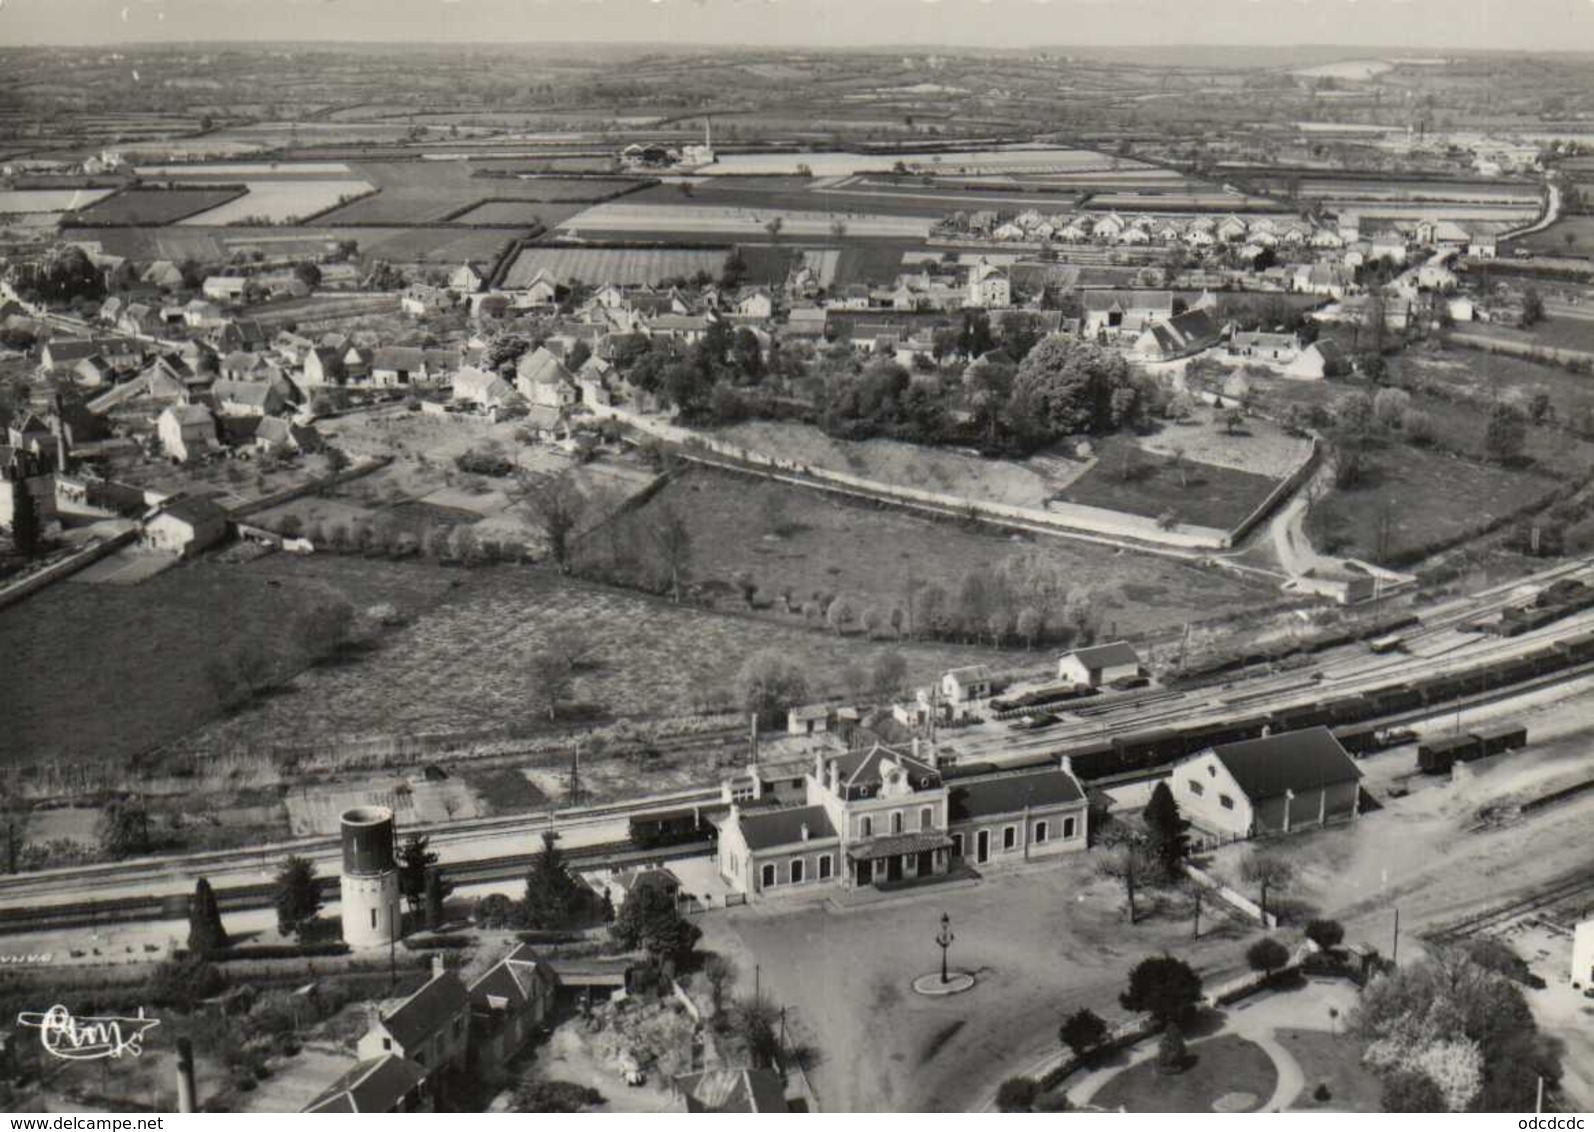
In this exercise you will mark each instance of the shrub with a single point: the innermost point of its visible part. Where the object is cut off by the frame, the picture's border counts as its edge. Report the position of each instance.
(1016, 1094)
(1172, 1056)
(1327, 934)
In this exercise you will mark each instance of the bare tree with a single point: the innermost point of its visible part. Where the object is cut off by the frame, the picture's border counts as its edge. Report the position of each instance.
(1269, 872)
(555, 504)
(548, 683)
(673, 542)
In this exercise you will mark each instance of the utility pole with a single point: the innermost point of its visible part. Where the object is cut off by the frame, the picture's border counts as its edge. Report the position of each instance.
(1394, 947)
(1196, 934)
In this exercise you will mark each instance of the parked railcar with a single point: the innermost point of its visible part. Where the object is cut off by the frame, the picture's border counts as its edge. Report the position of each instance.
(1438, 755)
(1495, 738)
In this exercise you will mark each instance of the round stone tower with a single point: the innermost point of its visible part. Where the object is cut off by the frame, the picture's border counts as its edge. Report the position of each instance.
(370, 882)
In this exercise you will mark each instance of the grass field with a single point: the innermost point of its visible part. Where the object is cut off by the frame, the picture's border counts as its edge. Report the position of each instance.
(155, 206)
(1416, 497)
(1554, 333)
(463, 662)
(745, 219)
(104, 672)
(280, 202)
(398, 245)
(1333, 1061)
(1552, 240)
(1205, 495)
(1226, 1068)
(49, 200)
(786, 537)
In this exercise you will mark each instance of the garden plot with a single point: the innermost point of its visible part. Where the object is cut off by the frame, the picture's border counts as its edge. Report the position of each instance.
(621, 266)
(50, 200)
(318, 810)
(686, 218)
(279, 202)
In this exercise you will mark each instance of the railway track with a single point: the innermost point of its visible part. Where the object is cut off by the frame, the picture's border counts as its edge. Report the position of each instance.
(1547, 896)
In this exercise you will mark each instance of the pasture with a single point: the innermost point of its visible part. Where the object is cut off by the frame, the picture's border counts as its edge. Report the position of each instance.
(155, 206)
(1127, 477)
(787, 538)
(49, 200)
(688, 219)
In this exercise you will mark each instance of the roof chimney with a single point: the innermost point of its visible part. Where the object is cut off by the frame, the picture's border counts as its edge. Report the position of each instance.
(736, 813)
(1067, 764)
(835, 779)
(805, 831)
(437, 966)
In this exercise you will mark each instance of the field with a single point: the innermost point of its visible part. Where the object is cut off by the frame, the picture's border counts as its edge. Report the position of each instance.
(398, 245)
(1552, 240)
(528, 213)
(624, 216)
(155, 206)
(624, 266)
(893, 461)
(1334, 1061)
(280, 202)
(1203, 495)
(49, 200)
(790, 538)
(1035, 159)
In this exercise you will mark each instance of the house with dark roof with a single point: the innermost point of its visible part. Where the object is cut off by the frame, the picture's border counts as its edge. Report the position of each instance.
(733, 1090)
(430, 1028)
(967, 684)
(1275, 784)
(184, 525)
(234, 398)
(1178, 337)
(1099, 664)
(380, 1084)
(508, 1005)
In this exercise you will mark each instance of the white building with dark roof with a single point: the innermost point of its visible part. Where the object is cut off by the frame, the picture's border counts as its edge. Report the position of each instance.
(1272, 785)
(1099, 664)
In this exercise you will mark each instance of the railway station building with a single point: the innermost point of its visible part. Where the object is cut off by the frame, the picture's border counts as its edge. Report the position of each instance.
(885, 817)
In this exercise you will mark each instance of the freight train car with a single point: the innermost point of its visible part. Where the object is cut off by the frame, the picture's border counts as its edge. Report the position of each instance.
(1437, 756)
(674, 827)
(1498, 737)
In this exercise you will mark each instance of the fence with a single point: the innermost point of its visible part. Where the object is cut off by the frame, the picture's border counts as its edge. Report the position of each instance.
(288, 494)
(65, 568)
(1286, 488)
(1244, 904)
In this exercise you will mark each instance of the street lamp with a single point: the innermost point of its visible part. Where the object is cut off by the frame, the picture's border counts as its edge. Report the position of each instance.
(945, 939)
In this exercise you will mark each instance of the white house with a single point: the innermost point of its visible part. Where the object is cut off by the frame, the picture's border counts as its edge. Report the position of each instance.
(478, 387)
(967, 684)
(224, 288)
(808, 719)
(543, 380)
(988, 286)
(1316, 362)
(1099, 664)
(1276, 784)
(186, 432)
(183, 526)
(1583, 955)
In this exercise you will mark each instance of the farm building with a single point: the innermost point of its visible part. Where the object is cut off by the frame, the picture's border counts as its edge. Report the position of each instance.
(486, 390)
(1274, 784)
(1178, 337)
(1319, 360)
(543, 380)
(1099, 664)
(810, 719)
(186, 432)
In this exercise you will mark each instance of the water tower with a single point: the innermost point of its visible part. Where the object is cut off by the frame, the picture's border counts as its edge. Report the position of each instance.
(370, 883)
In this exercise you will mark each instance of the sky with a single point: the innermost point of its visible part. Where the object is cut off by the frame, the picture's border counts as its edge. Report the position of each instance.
(1561, 25)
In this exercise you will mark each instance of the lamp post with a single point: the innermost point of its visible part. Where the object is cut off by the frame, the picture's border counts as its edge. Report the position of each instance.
(944, 939)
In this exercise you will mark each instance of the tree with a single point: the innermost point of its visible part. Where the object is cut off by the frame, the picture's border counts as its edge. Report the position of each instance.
(1166, 988)
(733, 270)
(298, 897)
(1532, 307)
(555, 504)
(1269, 872)
(555, 1097)
(182, 983)
(414, 859)
(839, 616)
(1030, 624)
(649, 919)
(672, 541)
(206, 935)
(1505, 435)
(890, 673)
(435, 893)
(324, 629)
(1017, 1094)
(1126, 863)
(1407, 1090)
(1327, 934)
(719, 973)
(552, 896)
(1082, 1032)
(26, 530)
(548, 682)
(1065, 387)
(1167, 831)
(753, 1020)
(773, 226)
(123, 830)
(308, 274)
(1267, 956)
(1390, 407)
(1172, 1056)
(770, 684)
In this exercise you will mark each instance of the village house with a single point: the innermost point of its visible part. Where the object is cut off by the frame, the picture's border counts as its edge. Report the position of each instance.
(988, 286)
(1099, 664)
(118, 353)
(186, 432)
(430, 1028)
(163, 273)
(1323, 358)
(808, 719)
(224, 288)
(381, 1084)
(1264, 346)
(278, 436)
(509, 1004)
(247, 398)
(733, 1090)
(1178, 337)
(393, 366)
(183, 526)
(1124, 312)
(543, 380)
(593, 380)
(967, 684)
(466, 279)
(1275, 784)
(477, 387)
(622, 885)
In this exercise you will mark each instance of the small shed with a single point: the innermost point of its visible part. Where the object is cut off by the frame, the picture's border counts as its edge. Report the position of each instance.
(809, 719)
(1099, 664)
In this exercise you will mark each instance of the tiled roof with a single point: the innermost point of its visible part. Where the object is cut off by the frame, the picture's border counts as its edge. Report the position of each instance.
(733, 1090)
(878, 847)
(772, 828)
(1010, 793)
(1110, 655)
(511, 979)
(378, 1085)
(1294, 760)
(428, 1010)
